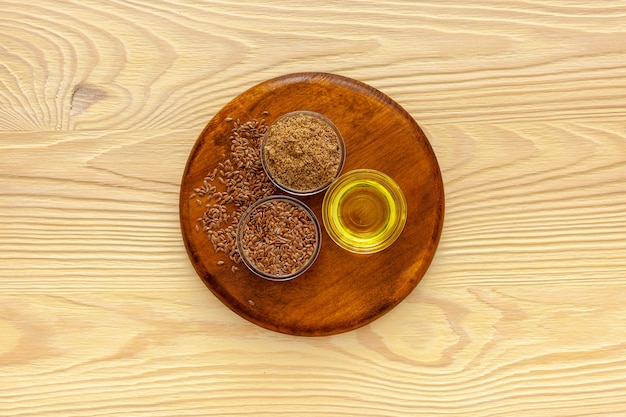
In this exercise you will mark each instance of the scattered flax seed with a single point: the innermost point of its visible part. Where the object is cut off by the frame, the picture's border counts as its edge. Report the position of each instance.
(231, 187)
(302, 151)
(228, 119)
(278, 237)
(220, 262)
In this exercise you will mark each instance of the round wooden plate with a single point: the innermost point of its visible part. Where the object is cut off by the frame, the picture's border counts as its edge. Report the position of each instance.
(342, 291)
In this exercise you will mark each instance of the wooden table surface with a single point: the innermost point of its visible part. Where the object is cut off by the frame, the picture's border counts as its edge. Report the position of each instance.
(521, 312)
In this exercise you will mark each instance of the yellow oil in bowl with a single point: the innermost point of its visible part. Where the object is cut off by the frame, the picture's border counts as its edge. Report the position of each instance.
(364, 211)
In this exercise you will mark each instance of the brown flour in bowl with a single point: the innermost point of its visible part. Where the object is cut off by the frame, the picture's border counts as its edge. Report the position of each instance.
(302, 151)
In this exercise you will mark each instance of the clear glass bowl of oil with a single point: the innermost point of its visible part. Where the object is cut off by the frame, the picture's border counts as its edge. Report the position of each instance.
(364, 211)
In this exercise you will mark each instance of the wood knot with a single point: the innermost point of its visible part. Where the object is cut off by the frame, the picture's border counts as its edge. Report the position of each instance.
(84, 96)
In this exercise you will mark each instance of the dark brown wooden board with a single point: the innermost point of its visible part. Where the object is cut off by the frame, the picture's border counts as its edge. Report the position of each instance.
(342, 291)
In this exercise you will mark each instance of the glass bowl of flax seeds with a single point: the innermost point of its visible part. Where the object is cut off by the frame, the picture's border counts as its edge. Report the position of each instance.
(302, 152)
(278, 238)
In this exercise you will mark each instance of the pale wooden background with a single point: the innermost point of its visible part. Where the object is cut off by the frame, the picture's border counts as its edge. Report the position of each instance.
(521, 312)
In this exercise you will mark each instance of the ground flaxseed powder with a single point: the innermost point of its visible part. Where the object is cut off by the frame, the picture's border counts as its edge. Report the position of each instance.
(302, 152)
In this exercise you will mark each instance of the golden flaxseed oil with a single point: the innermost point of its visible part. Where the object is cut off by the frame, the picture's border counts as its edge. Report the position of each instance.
(364, 209)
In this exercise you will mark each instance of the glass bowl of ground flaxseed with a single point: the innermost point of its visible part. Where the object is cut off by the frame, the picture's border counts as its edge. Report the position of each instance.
(278, 238)
(302, 152)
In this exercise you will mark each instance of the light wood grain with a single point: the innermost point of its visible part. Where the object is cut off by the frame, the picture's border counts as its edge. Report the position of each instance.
(520, 313)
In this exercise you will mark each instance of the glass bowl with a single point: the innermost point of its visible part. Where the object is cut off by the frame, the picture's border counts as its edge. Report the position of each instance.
(302, 152)
(364, 211)
(278, 238)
